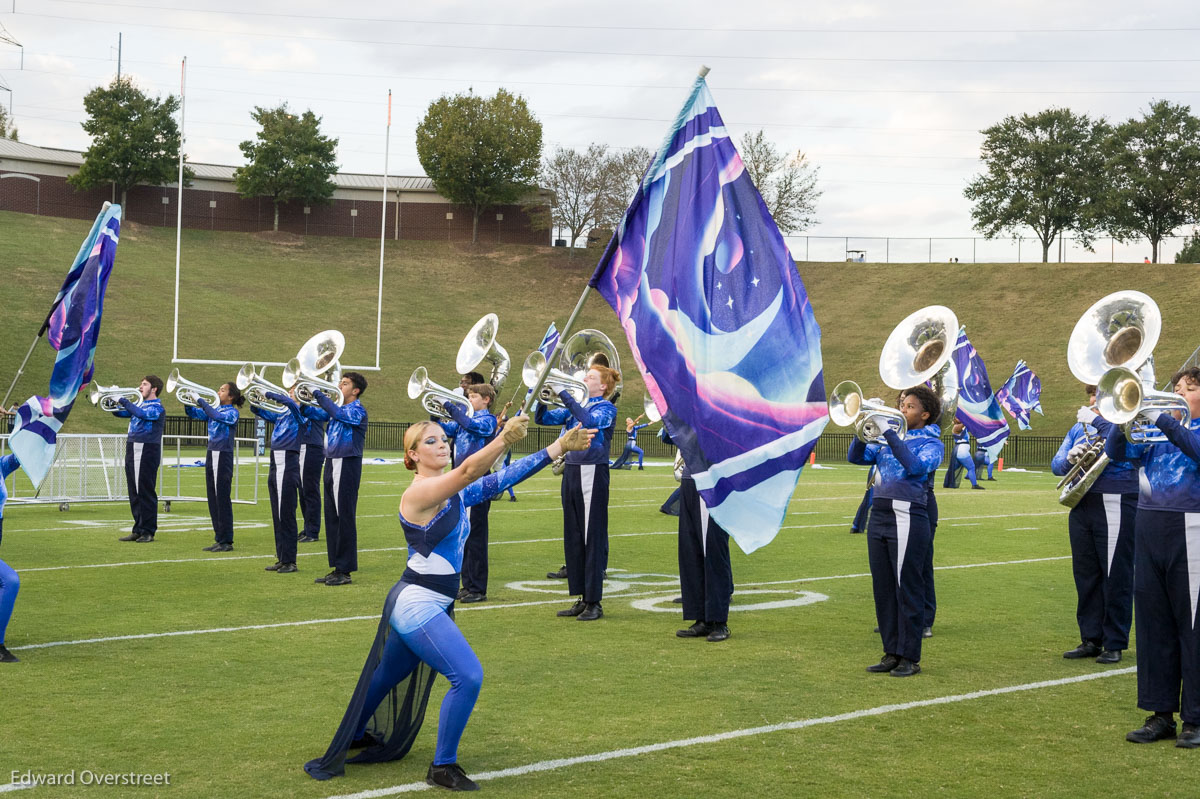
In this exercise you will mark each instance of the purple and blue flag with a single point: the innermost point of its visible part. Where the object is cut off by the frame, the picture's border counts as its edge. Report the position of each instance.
(977, 407)
(549, 341)
(719, 323)
(74, 326)
(1021, 395)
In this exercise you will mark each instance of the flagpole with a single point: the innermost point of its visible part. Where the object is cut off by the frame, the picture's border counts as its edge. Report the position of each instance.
(179, 204)
(20, 370)
(387, 140)
(562, 336)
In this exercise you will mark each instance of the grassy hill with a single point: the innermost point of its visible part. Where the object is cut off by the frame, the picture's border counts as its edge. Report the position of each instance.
(246, 296)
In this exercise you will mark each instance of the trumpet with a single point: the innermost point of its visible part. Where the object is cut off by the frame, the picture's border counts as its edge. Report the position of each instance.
(188, 392)
(556, 381)
(108, 397)
(870, 418)
(255, 386)
(316, 368)
(480, 347)
(433, 396)
(1122, 399)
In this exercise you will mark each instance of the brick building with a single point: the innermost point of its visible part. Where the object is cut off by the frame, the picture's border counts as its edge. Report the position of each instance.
(33, 180)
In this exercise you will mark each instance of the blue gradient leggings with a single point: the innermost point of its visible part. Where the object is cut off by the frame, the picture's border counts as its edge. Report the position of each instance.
(441, 644)
(10, 583)
(969, 462)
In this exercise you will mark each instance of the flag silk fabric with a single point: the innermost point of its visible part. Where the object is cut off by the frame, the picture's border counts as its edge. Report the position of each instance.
(719, 324)
(977, 408)
(1021, 395)
(74, 326)
(549, 341)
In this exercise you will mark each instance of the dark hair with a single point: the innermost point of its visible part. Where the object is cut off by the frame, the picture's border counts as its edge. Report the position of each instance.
(474, 378)
(929, 402)
(358, 380)
(1089, 389)
(484, 390)
(156, 382)
(1192, 373)
(235, 394)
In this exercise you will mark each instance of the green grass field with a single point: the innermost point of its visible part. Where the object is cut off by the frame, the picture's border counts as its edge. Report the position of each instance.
(618, 707)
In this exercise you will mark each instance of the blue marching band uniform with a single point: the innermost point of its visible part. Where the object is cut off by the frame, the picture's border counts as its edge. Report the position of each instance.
(10, 583)
(584, 492)
(143, 454)
(312, 460)
(283, 477)
(344, 437)
(218, 467)
(471, 433)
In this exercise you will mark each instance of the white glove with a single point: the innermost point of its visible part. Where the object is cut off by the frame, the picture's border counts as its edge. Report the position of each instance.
(1076, 452)
(1150, 415)
(1086, 415)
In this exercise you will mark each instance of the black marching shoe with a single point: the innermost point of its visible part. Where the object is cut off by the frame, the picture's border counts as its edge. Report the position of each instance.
(698, 630)
(579, 607)
(1086, 649)
(591, 612)
(886, 663)
(906, 668)
(338, 578)
(223, 548)
(147, 538)
(212, 548)
(462, 592)
(473, 596)
(287, 568)
(1109, 656)
(1189, 736)
(561, 574)
(1156, 728)
(9, 657)
(306, 539)
(450, 776)
(276, 566)
(130, 537)
(325, 578)
(720, 632)
(977, 487)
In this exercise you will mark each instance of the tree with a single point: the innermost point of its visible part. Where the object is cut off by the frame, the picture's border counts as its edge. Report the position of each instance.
(288, 160)
(1153, 170)
(580, 184)
(627, 169)
(135, 140)
(788, 185)
(1190, 253)
(7, 127)
(479, 151)
(1043, 171)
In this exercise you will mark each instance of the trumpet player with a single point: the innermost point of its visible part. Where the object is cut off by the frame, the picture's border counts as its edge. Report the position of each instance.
(344, 438)
(143, 454)
(898, 532)
(1167, 542)
(312, 460)
(1101, 532)
(283, 479)
(218, 460)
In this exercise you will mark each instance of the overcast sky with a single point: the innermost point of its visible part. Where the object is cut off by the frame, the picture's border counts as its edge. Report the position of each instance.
(887, 98)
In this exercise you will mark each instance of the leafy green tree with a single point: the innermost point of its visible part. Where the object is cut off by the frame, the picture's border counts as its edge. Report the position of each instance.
(7, 128)
(288, 160)
(135, 140)
(1043, 171)
(1153, 169)
(1190, 253)
(480, 151)
(788, 184)
(579, 183)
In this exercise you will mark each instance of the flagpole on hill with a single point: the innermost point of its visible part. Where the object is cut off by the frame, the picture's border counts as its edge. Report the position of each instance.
(566, 331)
(387, 141)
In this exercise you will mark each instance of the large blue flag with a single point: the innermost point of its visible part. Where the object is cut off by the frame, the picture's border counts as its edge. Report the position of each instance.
(74, 326)
(719, 323)
(1021, 395)
(977, 407)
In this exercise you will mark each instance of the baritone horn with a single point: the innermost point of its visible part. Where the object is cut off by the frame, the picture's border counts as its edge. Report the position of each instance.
(479, 347)
(586, 349)
(255, 386)
(870, 418)
(108, 397)
(556, 381)
(1122, 398)
(433, 396)
(317, 369)
(188, 392)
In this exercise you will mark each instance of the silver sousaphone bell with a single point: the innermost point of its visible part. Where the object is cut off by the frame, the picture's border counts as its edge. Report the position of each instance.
(919, 349)
(480, 347)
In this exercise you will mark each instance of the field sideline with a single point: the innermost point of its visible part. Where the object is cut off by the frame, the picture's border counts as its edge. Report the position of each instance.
(160, 658)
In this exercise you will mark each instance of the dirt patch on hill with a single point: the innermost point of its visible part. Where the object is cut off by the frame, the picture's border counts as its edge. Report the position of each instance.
(279, 237)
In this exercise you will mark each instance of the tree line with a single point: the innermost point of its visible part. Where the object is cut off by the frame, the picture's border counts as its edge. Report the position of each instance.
(1057, 171)
(478, 151)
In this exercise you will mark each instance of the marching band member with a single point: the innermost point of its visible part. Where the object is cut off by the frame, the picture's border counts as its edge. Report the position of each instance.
(963, 457)
(283, 476)
(898, 532)
(1101, 531)
(143, 454)
(10, 583)
(471, 433)
(931, 509)
(584, 492)
(1167, 545)
(417, 635)
(312, 459)
(631, 429)
(344, 438)
(218, 460)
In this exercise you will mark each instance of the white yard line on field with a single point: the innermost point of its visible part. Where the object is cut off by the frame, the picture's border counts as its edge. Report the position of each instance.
(700, 740)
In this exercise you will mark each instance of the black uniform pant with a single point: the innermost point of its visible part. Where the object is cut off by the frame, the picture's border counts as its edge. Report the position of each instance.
(931, 510)
(218, 484)
(1168, 651)
(705, 572)
(585, 528)
(284, 484)
(312, 458)
(897, 545)
(141, 472)
(342, 476)
(1101, 528)
(475, 551)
